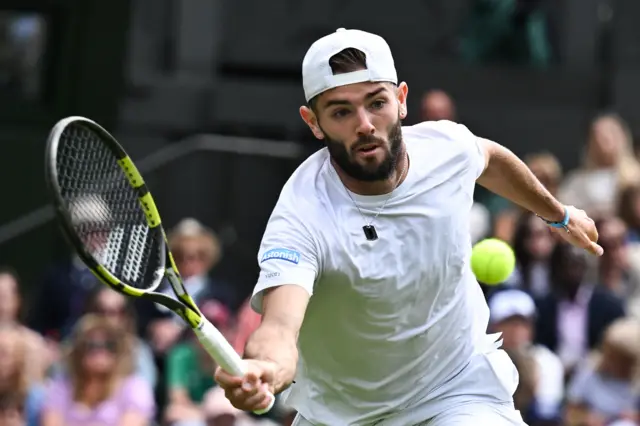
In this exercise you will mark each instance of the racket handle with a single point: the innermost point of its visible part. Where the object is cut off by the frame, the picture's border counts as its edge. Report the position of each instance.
(223, 353)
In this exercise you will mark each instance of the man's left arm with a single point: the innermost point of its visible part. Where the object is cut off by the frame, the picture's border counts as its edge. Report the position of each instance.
(506, 175)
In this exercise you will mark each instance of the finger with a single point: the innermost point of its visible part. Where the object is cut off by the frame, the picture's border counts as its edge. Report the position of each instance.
(596, 249)
(258, 401)
(227, 380)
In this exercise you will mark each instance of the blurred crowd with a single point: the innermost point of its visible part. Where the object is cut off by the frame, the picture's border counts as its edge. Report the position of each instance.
(86, 355)
(570, 321)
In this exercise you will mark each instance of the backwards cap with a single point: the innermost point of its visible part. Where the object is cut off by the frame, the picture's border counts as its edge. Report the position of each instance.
(317, 76)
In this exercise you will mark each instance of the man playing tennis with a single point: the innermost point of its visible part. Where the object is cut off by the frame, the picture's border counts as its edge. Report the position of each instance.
(376, 228)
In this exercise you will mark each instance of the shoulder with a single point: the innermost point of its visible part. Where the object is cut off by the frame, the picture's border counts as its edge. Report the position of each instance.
(445, 147)
(299, 195)
(442, 130)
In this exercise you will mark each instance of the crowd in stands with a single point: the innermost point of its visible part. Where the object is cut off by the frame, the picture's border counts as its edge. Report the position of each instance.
(83, 354)
(570, 321)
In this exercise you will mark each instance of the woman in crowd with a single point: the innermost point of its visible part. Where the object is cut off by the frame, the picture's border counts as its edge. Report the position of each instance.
(117, 308)
(18, 389)
(606, 389)
(609, 167)
(99, 386)
(532, 244)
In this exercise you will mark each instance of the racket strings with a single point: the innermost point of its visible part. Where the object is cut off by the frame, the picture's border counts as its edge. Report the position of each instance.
(105, 210)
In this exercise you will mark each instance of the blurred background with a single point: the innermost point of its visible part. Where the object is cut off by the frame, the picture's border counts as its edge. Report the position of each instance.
(204, 96)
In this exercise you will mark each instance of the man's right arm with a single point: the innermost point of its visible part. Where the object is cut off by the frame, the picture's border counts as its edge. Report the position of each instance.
(275, 340)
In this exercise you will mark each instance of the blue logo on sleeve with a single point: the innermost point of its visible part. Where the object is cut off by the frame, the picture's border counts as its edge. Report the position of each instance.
(282, 254)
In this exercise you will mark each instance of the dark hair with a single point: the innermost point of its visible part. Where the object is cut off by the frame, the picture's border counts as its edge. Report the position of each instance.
(626, 207)
(8, 270)
(345, 61)
(523, 256)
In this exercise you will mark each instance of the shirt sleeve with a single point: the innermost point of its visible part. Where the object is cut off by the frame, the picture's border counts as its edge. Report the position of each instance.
(287, 255)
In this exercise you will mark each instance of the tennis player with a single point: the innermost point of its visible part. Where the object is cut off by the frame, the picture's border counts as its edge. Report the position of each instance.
(367, 296)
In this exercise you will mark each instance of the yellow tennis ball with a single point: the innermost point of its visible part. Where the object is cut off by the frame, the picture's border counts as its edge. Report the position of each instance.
(492, 261)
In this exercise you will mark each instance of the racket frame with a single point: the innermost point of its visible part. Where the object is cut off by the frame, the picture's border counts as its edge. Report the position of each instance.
(209, 336)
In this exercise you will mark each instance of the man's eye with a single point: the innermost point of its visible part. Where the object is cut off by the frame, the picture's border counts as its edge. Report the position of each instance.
(340, 113)
(378, 104)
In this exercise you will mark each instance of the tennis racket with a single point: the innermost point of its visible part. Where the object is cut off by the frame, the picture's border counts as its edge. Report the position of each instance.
(109, 217)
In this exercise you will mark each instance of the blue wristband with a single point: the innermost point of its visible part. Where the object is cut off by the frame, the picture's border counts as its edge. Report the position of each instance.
(563, 224)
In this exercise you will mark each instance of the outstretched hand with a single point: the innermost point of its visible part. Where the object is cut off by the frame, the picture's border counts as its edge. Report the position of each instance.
(581, 231)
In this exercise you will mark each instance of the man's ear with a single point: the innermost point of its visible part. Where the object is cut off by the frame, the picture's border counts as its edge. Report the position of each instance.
(309, 117)
(402, 91)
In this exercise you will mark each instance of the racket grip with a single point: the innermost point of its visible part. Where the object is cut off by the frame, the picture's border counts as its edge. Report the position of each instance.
(223, 353)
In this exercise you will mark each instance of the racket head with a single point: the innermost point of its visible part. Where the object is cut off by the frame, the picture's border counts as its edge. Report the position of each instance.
(104, 208)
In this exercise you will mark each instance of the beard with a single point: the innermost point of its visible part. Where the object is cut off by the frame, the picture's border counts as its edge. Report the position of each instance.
(363, 172)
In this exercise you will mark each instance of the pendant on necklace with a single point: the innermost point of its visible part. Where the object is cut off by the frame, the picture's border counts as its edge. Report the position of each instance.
(370, 232)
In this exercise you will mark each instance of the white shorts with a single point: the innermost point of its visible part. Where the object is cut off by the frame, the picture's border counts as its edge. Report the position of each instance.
(473, 413)
(481, 395)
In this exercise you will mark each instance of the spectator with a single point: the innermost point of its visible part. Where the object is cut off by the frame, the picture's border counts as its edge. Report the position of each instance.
(99, 387)
(39, 358)
(196, 251)
(189, 370)
(616, 270)
(604, 390)
(513, 313)
(546, 167)
(247, 322)
(532, 245)
(437, 105)
(17, 387)
(116, 308)
(609, 166)
(529, 373)
(629, 212)
(573, 317)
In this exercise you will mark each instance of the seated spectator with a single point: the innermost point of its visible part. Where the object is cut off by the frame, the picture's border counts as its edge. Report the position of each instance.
(117, 308)
(99, 387)
(618, 269)
(10, 303)
(437, 105)
(532, 246)
(196, 251)
(609, 167)
(189, 369)
(247, 322)
(529, 373)
(573, 317)
(62, 295)
(603, 390)
(513, 313)
(18, 388)
(629, 212)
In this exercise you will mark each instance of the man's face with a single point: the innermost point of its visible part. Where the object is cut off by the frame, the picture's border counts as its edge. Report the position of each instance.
(360, 123)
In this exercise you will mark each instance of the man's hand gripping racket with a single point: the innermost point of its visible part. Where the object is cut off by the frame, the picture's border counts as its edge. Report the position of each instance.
(110, 218)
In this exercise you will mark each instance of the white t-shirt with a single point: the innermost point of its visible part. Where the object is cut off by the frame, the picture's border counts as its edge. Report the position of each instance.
(389, 320)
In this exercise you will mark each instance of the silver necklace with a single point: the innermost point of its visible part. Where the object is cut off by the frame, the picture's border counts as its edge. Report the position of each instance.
(370, 232)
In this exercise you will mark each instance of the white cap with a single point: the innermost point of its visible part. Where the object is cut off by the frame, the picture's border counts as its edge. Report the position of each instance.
(317, 76)
(510, 303)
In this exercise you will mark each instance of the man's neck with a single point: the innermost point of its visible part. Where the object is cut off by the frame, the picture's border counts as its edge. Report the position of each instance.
(379, 187)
